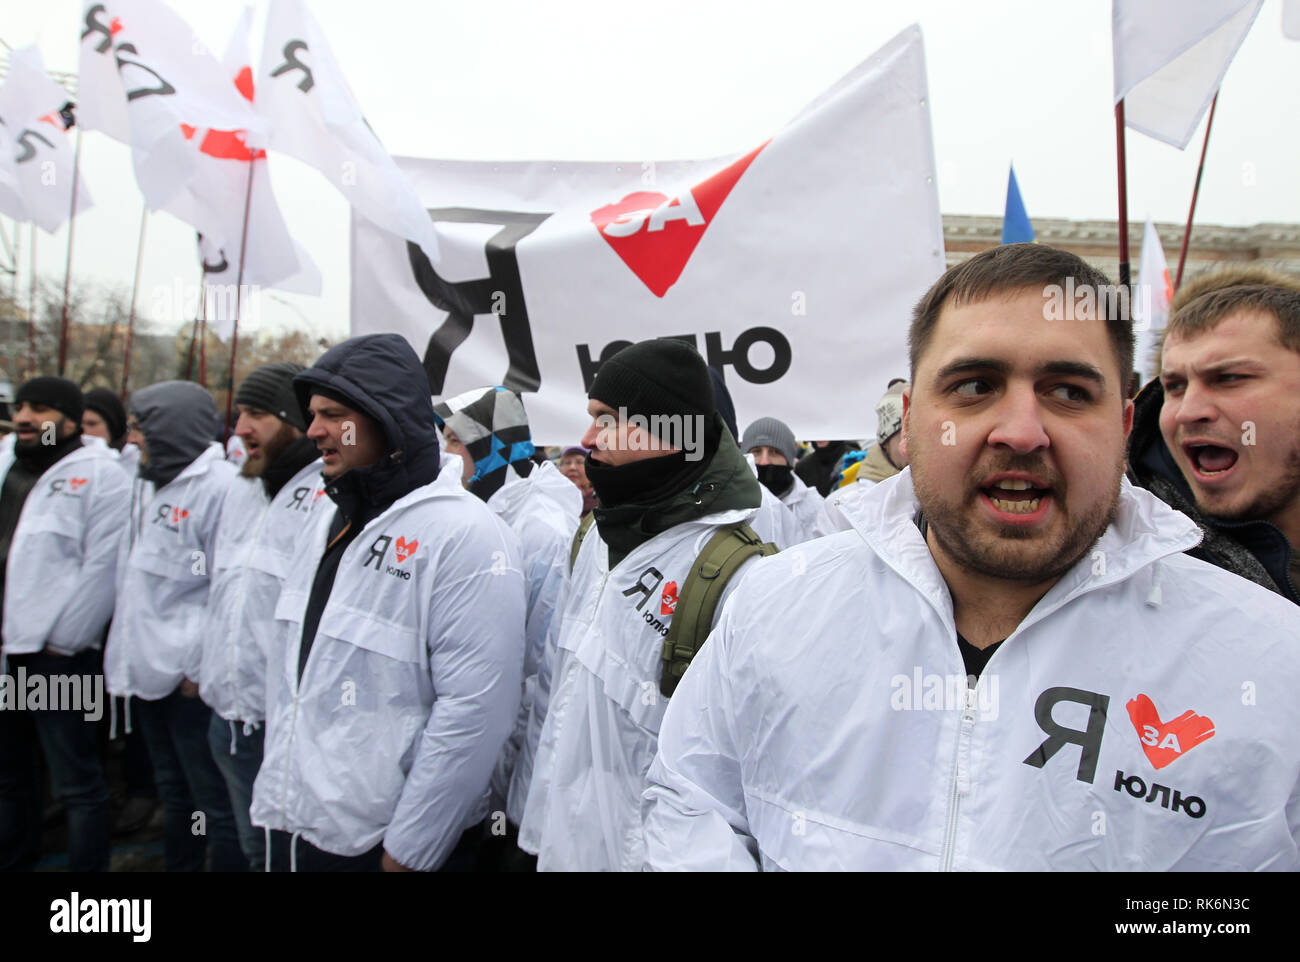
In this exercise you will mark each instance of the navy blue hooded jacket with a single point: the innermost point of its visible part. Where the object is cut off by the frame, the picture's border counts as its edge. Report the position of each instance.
(380, 376)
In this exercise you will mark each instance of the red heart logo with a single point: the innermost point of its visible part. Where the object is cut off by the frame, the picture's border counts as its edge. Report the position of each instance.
(668, 604)
(75, 483)
(405, 548)
(656, 235)
(1164, 742)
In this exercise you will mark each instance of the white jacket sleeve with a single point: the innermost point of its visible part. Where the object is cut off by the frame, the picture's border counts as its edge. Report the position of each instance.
(89, 605)
(693, 809)
(476, 653)
(522, 776)
(546, 579)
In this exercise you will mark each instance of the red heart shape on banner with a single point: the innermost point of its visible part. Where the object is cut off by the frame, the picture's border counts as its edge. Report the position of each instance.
(1164, 742)
(655, 235)
(405, 548)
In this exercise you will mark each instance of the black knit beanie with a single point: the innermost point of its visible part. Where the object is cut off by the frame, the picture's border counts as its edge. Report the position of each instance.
(270, 389)
(53, 392)
(106, 404)
(662, 376)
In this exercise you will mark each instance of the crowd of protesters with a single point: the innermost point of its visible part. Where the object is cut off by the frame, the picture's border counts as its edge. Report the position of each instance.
(1033, 623)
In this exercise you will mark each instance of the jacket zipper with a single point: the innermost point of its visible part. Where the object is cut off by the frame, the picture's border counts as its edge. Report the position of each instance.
(954, 799)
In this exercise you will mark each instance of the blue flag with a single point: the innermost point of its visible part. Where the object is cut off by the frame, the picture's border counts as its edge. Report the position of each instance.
(1016, 228)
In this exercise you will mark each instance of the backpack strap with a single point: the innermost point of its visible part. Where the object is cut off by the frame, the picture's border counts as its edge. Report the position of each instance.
(697, 601)
(583, 527)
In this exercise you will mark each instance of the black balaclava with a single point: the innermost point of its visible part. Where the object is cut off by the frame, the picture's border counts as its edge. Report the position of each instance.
(661, 377)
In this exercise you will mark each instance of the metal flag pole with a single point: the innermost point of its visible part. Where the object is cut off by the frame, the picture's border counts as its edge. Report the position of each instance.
(130, 317)
(67, 273)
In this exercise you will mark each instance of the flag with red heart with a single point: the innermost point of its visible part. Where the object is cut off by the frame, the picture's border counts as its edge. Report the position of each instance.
(787, 262)
(1165, 742)
(405, 548)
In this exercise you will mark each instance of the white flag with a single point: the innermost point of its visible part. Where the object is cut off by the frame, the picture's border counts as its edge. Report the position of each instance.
(37, 173)
(792, 266)
(144, 73)
(1151, 298)
(314, 117)
(214, 201)
(1291, 19)
(1170, 58)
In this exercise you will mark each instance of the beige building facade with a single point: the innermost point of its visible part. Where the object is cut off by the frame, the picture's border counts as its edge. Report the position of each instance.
(1097, 241)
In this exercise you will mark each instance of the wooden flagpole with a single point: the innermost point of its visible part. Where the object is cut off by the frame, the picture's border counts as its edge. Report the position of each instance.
(31, 310)
(1196, 190)
(239, 294)
(1121, 163)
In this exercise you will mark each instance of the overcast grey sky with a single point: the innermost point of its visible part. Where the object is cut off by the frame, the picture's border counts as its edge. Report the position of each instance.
(1024, 80)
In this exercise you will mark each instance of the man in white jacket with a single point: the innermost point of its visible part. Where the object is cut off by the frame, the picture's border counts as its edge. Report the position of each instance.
(668, 476)
(155, 644)
(63, 505)
(267, 509)
(1046, 681)
(401, 638)
(771, 443)
(488, 429)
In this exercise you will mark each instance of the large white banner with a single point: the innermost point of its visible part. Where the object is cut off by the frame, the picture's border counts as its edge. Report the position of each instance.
(793, 267)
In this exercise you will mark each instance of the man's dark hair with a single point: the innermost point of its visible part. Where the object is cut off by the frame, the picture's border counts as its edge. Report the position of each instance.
(1207, 311)
(1015, 267)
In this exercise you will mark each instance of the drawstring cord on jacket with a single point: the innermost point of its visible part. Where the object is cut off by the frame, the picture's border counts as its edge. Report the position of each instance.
(293, 852)
(1155, 598)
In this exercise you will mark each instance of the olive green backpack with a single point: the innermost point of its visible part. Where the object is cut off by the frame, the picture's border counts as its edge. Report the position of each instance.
(697, 601)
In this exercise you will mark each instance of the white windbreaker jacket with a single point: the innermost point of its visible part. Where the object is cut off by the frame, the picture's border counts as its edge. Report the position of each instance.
(63, 556)
(543, 511)
(839, 504)
(254, 555)
(809, 510)
(163, 573)
(1142, 716)
(410, 687)
(598, 707)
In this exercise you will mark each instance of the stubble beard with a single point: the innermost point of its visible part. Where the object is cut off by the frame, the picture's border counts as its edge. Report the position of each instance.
(1012, 554)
